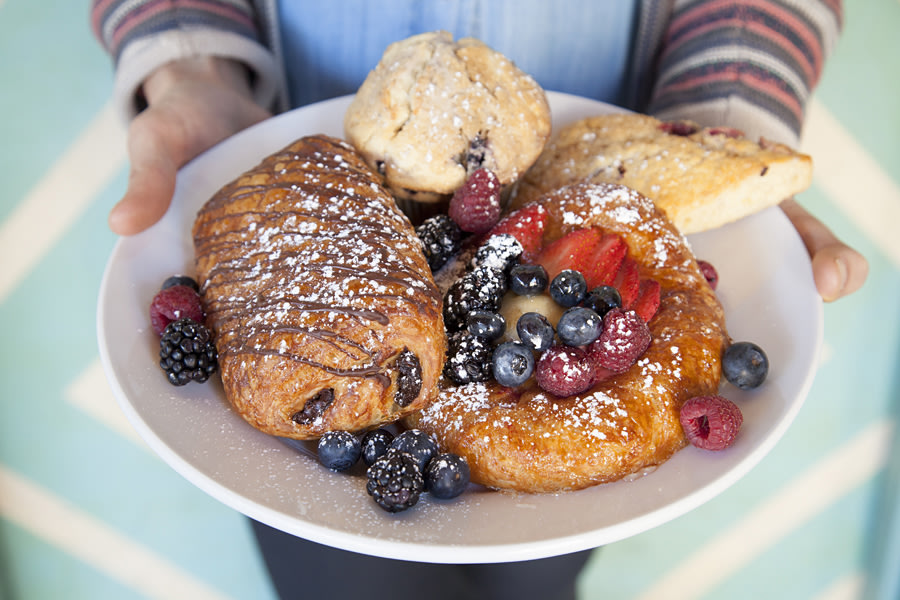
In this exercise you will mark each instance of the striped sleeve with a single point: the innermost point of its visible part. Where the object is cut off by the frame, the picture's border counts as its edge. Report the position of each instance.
(117, 22)
(749, 64)
(142, 35)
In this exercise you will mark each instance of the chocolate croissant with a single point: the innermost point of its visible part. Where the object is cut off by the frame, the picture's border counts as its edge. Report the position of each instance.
(323, 307)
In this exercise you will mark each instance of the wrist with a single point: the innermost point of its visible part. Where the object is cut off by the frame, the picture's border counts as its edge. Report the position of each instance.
(214, 70)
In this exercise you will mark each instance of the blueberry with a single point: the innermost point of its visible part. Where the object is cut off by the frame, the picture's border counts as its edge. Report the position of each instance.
(180, 280)
(603, 299)
(579, 326)
(486, 324)
(528, 280)
(513, 363)
(568, 288)
(447, 476)
(535, 331)
(338, 450)
(745, 365)
(374, 444)
(417, 444)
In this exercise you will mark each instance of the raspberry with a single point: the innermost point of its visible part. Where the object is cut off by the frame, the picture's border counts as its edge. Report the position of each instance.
(441, 239)
(564, 371)
(526, 225)
(709, 272)
(475, 206)
(624, 338)
(682, 128)
(711, 422)
(727, 132)
(394, 481)
(173, 303)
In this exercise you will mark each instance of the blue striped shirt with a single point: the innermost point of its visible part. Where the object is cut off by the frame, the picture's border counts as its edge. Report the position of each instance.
(329, 47)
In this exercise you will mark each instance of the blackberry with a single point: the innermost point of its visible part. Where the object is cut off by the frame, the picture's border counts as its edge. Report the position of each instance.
(338, 450)
(500, 252)
(468, 358)
(441, 239)
(374, 444)
(482, 288)
(417, 444)
(186, 352)
(394, 481)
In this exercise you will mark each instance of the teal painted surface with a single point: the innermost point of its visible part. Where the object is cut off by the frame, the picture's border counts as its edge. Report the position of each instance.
(55, 81)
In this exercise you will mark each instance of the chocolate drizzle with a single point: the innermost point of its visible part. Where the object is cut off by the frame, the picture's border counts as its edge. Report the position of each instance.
(303, 250)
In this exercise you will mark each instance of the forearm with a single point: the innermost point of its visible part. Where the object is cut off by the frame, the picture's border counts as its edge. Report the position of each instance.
(749, 64)
(142, 36)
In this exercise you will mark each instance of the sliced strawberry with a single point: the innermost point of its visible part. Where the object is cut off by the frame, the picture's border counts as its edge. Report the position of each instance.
(526, 225)
(627, 281)
(647, 301)
(604, 264)
(572, 251)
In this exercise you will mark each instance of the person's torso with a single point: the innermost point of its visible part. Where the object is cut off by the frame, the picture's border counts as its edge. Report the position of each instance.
(574, 46)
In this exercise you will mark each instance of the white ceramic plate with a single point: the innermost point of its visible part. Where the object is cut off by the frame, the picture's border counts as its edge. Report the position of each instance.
(765, 286)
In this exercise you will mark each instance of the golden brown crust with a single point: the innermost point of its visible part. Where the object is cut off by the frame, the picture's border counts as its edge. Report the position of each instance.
(701, 180)
(529, 440)
(321, 302)
(434, 105)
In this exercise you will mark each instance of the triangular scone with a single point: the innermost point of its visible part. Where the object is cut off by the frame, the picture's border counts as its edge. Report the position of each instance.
(701, 177)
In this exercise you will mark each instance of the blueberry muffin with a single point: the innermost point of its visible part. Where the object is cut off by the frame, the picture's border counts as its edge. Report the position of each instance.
(435, 109)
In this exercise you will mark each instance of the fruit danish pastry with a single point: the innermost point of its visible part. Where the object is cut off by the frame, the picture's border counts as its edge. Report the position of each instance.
(702, 177)
(323, 308)
(622, 415)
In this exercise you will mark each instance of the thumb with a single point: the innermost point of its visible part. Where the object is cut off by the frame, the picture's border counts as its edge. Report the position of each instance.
(154, 162)
(838, 269)
(151, 185)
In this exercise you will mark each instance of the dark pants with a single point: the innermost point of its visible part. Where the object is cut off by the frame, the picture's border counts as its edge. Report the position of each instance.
(304, 569)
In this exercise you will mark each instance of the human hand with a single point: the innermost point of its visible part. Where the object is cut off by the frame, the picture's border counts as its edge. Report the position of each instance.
(192, 105)
(838, 270)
